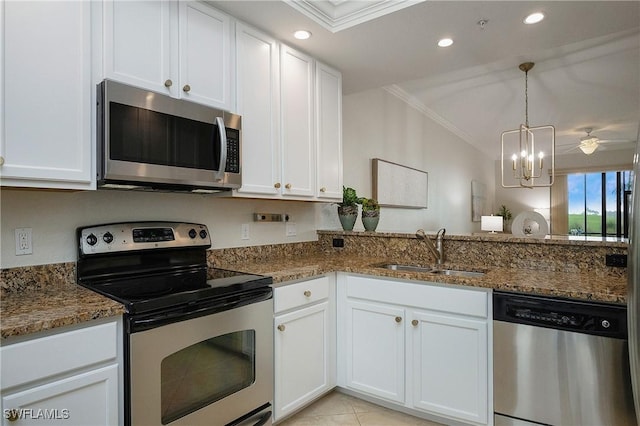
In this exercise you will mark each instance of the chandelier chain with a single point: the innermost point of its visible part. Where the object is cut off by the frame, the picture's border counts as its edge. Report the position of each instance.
(526, 98)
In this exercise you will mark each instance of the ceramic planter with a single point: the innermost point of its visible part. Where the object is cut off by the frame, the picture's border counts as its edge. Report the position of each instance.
(370, 219)
(347, 216)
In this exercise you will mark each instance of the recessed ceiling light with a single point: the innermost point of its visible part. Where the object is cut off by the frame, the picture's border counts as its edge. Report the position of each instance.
(534, 18)
(445, 42)
(302, 34)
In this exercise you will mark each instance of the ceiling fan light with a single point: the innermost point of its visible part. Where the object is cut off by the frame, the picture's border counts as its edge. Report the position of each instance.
(589, 146)
(534, 18)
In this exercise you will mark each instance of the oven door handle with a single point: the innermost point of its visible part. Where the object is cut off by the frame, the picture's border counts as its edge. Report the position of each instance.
(194, 310)
(264, 419)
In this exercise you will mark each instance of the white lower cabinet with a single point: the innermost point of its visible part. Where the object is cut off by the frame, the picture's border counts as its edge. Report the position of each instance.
(304, 343)
(449, 365)
(71, 376)
(419, 346)
(375, 353)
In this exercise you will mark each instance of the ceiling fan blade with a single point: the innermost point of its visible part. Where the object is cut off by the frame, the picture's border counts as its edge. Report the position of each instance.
(608, 141)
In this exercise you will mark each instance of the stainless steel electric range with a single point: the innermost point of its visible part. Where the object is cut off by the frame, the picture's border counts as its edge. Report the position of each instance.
(198, 341)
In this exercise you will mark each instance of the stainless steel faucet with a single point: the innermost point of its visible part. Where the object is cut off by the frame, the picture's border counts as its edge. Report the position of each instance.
(438, 249)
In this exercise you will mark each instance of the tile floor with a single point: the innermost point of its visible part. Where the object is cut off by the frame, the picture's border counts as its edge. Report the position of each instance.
(339, 409)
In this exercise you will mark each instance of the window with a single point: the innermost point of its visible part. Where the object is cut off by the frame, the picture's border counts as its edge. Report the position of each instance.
(596, 203)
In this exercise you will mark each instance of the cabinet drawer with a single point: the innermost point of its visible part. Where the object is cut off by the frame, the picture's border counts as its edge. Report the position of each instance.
(55, 354)
(420, 295)
(300, 294)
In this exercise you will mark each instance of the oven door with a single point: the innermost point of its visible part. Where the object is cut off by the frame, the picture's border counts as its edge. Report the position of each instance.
(210, 370)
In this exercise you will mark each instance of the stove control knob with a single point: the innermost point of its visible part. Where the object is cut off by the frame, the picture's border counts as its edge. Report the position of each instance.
(192, 233)
(203, 234)
(605, 324)
(107, 237)
(92, 240)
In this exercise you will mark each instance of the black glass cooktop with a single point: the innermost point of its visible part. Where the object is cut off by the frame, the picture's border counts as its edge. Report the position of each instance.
(164, 291)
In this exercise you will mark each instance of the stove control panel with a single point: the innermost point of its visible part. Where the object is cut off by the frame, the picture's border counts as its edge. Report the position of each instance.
(131, 236)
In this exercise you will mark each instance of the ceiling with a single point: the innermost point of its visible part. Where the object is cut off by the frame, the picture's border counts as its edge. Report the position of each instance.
(587, 55)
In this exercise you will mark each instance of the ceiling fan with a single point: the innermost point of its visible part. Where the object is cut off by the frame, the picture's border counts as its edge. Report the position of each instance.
(590, 143)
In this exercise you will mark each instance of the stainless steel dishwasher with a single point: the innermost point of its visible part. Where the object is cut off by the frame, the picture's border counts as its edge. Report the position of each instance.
(560, 362)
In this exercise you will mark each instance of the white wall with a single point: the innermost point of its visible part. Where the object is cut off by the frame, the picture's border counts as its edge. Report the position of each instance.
(377, 124)
(55, 215)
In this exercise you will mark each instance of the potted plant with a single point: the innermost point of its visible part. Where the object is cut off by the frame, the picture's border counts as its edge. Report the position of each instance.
(506, 217)
(348, 209)
(370, 213)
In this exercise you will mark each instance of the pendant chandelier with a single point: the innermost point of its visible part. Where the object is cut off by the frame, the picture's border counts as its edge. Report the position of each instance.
(524, 149)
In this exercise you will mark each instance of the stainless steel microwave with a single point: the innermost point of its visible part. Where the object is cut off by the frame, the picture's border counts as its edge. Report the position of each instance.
(148, 140)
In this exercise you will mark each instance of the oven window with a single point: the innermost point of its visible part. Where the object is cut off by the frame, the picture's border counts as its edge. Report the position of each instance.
(205, 372)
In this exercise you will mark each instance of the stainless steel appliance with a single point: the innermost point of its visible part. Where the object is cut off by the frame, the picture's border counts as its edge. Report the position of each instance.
(633, 272)
(198, 341)
(148, 140)
(560, 362)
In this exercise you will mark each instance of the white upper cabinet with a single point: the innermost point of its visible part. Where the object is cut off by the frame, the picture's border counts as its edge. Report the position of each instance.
(205, 55)
(329, 132)
(258, 101)
(297, 115)
(46, 92)
(182, 49)
(291, 107)
(140, 44)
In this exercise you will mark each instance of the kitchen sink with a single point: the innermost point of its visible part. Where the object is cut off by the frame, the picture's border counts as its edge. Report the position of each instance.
(456, 272)
(408, 268)
(430, 270)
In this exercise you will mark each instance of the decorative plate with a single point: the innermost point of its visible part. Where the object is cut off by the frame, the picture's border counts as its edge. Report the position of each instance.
(530, 224)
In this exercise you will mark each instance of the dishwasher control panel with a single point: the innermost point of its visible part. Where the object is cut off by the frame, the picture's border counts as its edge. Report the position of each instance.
(602, 319)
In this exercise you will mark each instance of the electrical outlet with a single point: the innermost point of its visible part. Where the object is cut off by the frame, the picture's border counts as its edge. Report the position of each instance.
(338, 242)
(290, 229)
(244, 231)
(616, 260)
(23, 241)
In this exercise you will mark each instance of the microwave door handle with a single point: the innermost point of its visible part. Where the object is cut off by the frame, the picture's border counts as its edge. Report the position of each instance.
(223, 148)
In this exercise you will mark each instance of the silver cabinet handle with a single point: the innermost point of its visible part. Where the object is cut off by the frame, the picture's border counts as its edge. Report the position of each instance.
(307, 293)
(1, 161)
(398, 319)
(414, 323)
(168, 83)
(281, 327)
(186, 88)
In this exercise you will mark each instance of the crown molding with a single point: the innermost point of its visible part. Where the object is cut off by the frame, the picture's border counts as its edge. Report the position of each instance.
(338, 15)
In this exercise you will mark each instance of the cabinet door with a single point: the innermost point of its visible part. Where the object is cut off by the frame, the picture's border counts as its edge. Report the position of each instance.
(298, 144)
(205, 55)
(449, 366)
(258, 76)
(329, 132)
(375, 349)
(302, 359)
(140, 39)
(46, 92)
(85, 399)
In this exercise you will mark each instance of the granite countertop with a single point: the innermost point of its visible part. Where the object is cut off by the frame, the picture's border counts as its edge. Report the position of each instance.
(586, 286)
(65, 303)
(57, 305)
